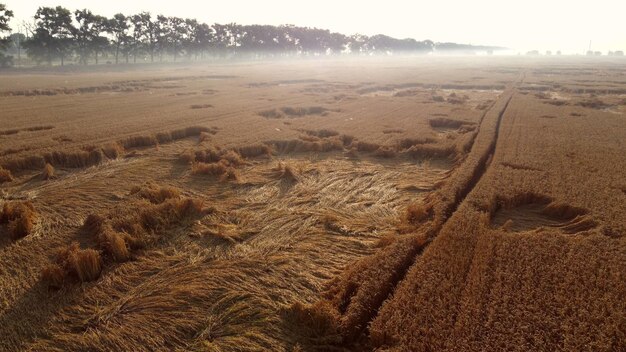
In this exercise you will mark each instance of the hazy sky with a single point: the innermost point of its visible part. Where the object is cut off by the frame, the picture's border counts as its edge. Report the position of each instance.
(566, 25)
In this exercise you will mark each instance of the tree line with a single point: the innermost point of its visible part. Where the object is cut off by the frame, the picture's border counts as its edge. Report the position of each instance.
(57, 34)
(5, 16)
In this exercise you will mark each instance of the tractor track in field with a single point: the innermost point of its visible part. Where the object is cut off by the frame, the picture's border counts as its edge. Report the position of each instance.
(471, 171)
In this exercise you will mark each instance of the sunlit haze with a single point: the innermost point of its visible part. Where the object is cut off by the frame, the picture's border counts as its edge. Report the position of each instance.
(568, 26)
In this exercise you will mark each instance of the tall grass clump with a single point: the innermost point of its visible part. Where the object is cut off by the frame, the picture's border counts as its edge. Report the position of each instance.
(346, 139)
(48, 172)
(94, 223)
(442, 122)
(212, 169)
(417, 213)
(233, 158)
(112, 150)
(385, 153)
(20, 218)
(154, 193)
(201, 106)
(593, 103)
(286, 172)
(33, 162)
(406, 143)
(319, 320)
(73, 264)
(209, 155)
(221, 169)
(204, 136)
(173, 211)
(254, 150)
(5, 175)
(94, 155)
(303, 111)
(187, 156)
(271, 114)
(117, 238)
(163, 137)
(139, 141)
(367, 146)
(113, 244)
(323, 133)
(314, 145)
(74, 159)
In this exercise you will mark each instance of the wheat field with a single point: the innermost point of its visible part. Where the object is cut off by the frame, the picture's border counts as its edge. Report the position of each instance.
(392, 204)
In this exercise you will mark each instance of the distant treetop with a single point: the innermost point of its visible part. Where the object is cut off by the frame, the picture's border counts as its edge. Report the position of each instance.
(59, 35)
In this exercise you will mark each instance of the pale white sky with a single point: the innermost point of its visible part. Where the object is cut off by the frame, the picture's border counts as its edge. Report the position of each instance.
(566, 25)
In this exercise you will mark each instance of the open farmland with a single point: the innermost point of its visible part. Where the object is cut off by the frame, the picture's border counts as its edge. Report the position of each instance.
(417, 204)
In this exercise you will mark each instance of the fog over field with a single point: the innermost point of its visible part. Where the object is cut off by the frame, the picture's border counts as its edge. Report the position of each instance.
(210, 179)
